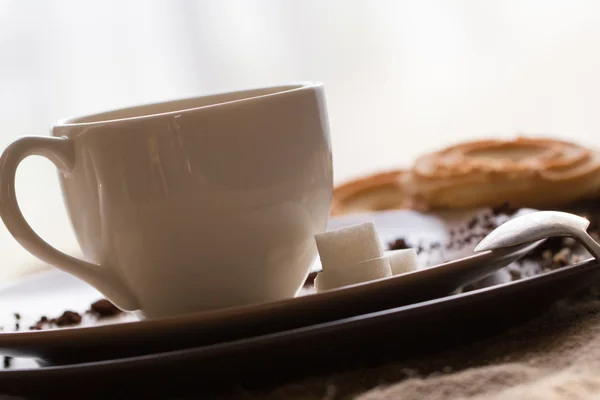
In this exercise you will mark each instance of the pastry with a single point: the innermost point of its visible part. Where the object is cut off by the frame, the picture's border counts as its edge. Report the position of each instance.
(382, 191)
(525, 172)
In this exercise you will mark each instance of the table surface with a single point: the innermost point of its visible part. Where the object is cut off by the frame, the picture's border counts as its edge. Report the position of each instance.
(401, 78)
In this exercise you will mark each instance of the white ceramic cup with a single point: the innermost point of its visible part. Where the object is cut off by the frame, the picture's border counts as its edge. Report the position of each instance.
(188, 205)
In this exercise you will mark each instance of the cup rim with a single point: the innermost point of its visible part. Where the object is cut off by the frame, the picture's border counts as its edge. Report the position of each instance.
(272, 91)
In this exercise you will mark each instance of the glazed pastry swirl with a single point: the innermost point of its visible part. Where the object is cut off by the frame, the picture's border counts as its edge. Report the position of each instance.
(382, 191)
(526, 172)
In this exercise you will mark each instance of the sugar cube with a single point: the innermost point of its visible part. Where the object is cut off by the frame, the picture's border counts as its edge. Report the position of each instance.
(402, 261)
(347, 246)
(352, 274)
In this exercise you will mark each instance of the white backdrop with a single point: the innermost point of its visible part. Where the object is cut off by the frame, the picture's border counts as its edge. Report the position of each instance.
(401, 77)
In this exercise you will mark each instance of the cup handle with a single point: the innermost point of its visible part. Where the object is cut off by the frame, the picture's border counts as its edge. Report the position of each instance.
(61, 152)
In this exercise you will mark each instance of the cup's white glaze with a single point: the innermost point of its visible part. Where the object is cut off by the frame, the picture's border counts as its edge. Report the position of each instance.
(189, 205)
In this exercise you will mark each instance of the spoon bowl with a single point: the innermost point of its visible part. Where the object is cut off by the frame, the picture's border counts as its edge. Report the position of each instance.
(537, 226)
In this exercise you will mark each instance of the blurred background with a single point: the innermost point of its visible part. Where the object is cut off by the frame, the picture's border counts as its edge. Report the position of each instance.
(401, 77)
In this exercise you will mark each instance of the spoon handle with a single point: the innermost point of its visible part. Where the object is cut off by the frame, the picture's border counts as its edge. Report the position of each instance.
(590, 244)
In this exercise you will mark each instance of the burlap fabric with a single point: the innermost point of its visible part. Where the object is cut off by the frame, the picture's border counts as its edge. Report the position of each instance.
(556, 356)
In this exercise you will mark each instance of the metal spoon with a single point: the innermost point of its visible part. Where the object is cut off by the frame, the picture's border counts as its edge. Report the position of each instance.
(540, 225)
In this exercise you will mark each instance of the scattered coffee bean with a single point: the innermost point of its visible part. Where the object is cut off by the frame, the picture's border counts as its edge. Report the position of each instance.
(489, 226)
(515, 274)
(104, 308)
(563, 257)
(39, 325)
(67, 318)
(7, 361)
(398, 244)
(473, 222)
(504, 209)
(549, 246)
